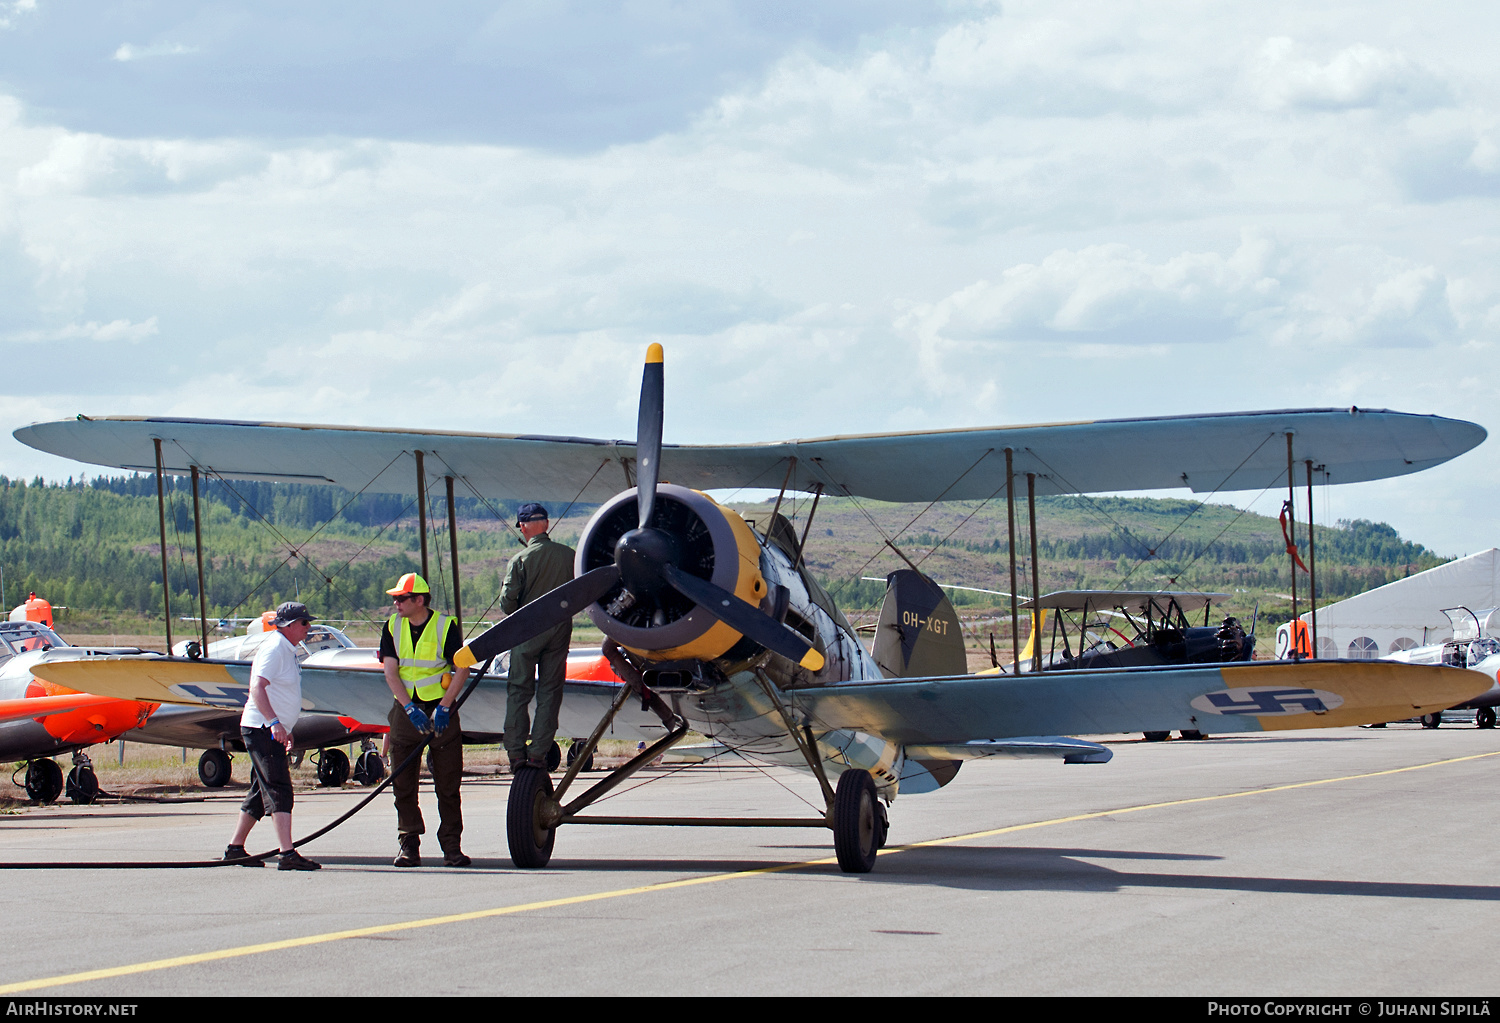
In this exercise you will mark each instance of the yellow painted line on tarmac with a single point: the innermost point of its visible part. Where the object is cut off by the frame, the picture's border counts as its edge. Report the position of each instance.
(109, 973)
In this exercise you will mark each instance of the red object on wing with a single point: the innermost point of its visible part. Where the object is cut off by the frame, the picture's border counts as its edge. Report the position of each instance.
(594, 669)
(360, 728)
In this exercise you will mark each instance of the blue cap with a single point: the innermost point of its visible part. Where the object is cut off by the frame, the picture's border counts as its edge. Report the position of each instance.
(531, 512)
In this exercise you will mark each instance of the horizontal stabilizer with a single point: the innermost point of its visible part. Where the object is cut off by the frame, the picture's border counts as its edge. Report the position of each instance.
(1072, 751)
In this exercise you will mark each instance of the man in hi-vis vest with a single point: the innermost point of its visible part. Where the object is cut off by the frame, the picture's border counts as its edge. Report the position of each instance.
(417, 647)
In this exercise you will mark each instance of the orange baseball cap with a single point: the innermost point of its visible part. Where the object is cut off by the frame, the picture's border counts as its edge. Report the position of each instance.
(409, 583)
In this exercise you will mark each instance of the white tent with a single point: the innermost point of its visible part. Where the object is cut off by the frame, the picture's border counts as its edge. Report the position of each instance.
(1408, 612)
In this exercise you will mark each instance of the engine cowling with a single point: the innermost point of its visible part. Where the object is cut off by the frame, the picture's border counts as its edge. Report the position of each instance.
(706, 540)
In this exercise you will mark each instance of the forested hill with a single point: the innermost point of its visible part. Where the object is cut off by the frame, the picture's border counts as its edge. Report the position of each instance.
(93, 546)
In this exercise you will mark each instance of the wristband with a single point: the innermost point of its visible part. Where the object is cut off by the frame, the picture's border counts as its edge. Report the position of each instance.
(273, 722)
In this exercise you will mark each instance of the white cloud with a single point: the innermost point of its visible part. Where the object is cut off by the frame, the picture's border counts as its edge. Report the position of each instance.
(1356, 76)
(115, 330)
(128, 52)
(12, 10)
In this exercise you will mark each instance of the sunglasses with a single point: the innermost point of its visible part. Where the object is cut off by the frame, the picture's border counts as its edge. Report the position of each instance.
(403, 598)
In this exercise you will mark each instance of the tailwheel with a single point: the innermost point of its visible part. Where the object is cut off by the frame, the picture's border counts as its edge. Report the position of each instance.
(1484, 717)
(857, 822)
(530, 842)
(333, 768)
(44, 781)
(213, 768)
(83, 785)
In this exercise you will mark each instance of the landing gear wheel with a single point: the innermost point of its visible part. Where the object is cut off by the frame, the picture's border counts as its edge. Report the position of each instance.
(213, 768)
(44, 781)
(83, 785)
(369, 769)
(554, 757)
(856, 822)
(1156, 736)
(530, 843)
(1432, 720)
(333, 768)
(885, 823)
(1191, 733)
(1484, 717)
(574, 750)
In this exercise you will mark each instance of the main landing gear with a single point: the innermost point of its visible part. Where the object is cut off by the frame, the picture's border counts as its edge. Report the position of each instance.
(1484, 717)
(44, 781)
(83, 784)
(333, 767)
(369, 768)
(536, 810)
(1432, 720)
(213, 768)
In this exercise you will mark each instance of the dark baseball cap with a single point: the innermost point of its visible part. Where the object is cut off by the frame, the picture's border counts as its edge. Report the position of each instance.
(531, 512)
(290, 612)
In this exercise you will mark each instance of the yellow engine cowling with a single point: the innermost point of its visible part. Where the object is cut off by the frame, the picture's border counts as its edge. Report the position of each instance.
(714, 544)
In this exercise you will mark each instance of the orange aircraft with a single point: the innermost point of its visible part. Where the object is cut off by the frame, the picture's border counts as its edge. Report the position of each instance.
(40, 720)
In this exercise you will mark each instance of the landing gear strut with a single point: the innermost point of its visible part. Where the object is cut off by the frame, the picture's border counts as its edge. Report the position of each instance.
(213, 768)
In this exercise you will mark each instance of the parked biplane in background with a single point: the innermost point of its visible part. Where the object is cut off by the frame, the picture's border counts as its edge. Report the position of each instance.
(716, 622)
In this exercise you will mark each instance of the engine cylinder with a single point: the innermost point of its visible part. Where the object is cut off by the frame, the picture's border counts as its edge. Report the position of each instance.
(708, 541)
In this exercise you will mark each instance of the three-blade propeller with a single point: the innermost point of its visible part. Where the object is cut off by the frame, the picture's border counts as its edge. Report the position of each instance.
(645, 562)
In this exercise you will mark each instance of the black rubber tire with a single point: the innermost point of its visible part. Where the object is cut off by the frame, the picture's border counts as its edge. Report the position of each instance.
(554, 757)
(1484, 717)
(530, 845)
(1156, 736)
(333, 768)
(588, 765)
(856, 822)
(1432, 720)
(369, 769)
(44, 781)
(83, 785)
(213, 768)
(1191, 733)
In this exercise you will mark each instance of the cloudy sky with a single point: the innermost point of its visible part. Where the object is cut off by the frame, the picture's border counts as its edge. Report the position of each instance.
(850, 216)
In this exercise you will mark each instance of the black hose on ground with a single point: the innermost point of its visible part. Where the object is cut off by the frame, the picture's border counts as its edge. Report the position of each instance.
(260, 857)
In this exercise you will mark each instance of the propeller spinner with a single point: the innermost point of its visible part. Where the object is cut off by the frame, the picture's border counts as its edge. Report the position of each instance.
(663, 570)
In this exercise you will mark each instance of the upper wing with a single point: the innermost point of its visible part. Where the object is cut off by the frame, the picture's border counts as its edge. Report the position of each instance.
(1232, 451)
(1235, 697)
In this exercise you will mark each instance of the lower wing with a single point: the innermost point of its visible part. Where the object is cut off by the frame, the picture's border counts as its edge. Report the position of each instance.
(1217, 698)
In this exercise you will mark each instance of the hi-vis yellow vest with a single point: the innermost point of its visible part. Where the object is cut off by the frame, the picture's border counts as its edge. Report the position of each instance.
(423, 668)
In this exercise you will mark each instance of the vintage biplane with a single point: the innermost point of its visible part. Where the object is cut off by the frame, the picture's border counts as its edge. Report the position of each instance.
(715, 622)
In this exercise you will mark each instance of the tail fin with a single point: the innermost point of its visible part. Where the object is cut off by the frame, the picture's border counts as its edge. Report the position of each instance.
(918, 635)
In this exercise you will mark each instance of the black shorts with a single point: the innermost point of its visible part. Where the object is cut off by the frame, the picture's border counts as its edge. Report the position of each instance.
(271, 775)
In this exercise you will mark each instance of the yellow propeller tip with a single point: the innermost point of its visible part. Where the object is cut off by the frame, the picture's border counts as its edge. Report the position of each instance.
(812, 661)
(465, 659)
(655, 353)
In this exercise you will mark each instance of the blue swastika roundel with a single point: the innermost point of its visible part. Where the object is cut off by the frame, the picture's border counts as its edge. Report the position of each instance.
(1268, 701)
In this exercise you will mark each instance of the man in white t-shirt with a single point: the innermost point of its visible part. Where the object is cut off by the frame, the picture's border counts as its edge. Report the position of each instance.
(266, 726)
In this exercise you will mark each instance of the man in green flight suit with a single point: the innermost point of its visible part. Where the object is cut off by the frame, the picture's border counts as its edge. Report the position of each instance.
(539, 665)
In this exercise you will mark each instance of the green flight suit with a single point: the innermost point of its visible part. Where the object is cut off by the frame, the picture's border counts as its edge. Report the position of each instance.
(539, 666)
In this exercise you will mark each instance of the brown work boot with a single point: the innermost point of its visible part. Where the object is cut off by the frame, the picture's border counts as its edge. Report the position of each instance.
(456, 858)
(410, 854)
